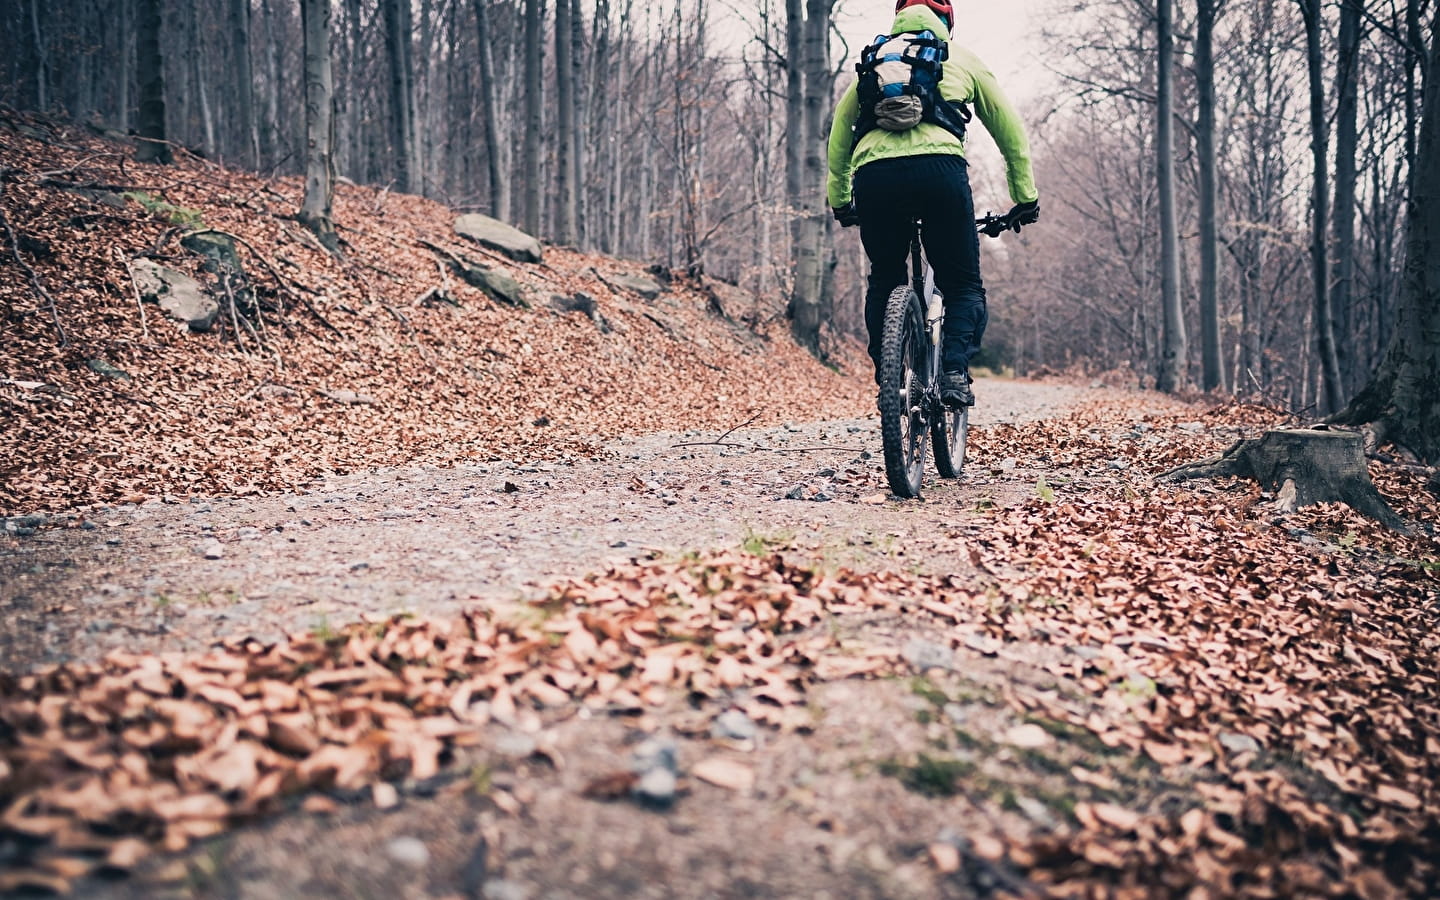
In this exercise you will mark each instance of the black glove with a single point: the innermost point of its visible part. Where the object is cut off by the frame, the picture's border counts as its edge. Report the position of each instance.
(1024, 214)
(846, 215)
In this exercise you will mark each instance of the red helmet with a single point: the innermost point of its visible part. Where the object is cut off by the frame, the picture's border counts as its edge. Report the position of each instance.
(941, 8)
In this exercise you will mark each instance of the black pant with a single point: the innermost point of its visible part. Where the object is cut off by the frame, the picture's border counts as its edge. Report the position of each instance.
(936, 189)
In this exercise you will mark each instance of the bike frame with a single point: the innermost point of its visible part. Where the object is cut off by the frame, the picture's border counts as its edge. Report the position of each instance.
(922, 279)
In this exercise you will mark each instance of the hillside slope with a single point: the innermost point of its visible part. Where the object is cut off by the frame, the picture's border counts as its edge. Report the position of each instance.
(360, 368)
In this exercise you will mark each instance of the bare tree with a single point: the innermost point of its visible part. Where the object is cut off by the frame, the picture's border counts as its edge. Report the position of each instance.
(1173, 353)
(1212, 369)
(315, 211)
(402, 93)
(1346, 145)
(1402, 400)
(150, 71)
(1322, 318)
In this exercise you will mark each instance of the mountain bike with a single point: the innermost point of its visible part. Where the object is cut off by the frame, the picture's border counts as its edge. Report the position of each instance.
(910, 405)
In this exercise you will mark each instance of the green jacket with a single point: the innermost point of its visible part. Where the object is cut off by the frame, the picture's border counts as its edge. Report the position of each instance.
(966, 78)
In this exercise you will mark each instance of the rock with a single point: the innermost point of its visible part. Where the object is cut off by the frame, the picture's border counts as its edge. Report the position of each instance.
(218, 250)
(515, 745)
(928, 655)
(1008, 464)
(349, 397)
(101, 367)
(500, 889)
(497, 235)
(182, 297)
(733, 725)
(581, 303)
(656, 787)
(1118, 464)
(497, 285)
(384, 795)
(408, 851)
(1028, 736)
(796, 493)
(646, 288)
(1238, 743)
(1191, 427)
(212, 550)
(821, 497)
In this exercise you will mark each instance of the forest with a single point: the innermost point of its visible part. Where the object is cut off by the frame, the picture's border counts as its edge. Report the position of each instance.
(353, 544)
(1249, 240)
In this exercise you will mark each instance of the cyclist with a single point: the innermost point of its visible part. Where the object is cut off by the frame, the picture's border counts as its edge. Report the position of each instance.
(921, 172)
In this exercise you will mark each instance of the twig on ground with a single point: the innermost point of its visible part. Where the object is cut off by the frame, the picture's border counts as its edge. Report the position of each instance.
(34, 277)
(720, 441)
(139, 301)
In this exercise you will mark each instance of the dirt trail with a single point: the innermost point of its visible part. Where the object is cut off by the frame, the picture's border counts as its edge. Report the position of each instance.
(429, 540)
(824, 817)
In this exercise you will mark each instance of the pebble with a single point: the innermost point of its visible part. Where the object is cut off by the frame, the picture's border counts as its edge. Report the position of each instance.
(796, 493)
(733, 725)
(212, 550)
(514, 745)
(1239, 743)
(922, 655)
(500, 889)
(657, 787)
(409, 851)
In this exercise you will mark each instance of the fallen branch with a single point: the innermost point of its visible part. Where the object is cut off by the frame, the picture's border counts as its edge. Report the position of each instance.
(139, 301)
(34, 277)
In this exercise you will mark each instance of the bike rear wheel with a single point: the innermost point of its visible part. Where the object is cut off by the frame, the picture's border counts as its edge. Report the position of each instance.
(949, 435)
(904, 375)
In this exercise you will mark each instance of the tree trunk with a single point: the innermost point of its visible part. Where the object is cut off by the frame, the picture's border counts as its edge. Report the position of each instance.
(565, 126)
(1346, 138)
(530, 186)
(578, 134)
(490, 115)
(1323, 319)
(1303, 467)
(42, 60)
(150, 71)
(805, 303)
(402, 94)
(1402, 400)
(319, 123)
(1212, 368)
(243, 82)
(1174, 350)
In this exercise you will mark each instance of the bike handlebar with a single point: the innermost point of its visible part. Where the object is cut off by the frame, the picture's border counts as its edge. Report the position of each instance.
(994, 226)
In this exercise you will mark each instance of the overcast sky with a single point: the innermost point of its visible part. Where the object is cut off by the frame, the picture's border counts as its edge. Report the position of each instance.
(1004, 35)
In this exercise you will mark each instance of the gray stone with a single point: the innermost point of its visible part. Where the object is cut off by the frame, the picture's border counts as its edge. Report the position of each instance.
(497, 235)
(181, 296)
(733, 725)
(212, 550)
(500, 889)
(218, 250)
(1117, 464)
(922, 655)
(349, 397)
(497, 285)
(409, 851)
(645, 287)
(515, 745)
(796, 493)
(1238, 743)
(657, 787)
(101, 367)
(581, 303)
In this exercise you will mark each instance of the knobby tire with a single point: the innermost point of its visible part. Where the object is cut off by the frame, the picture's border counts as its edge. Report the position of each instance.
(904, 360)
(949, 434)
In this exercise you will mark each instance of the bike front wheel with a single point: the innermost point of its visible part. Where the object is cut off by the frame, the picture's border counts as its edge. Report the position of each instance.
(904, 375)
(949, 434)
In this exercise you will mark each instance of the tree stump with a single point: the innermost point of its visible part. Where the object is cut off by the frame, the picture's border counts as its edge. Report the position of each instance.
(1302, 466)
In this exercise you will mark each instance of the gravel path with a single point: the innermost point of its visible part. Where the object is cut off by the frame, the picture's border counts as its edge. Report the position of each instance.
(168, 576)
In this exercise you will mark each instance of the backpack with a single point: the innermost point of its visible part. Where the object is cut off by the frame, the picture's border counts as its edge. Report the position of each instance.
(899, 85)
